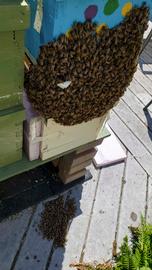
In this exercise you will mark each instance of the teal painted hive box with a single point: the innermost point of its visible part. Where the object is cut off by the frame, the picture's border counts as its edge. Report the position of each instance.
(50, 18)
(11, 135)
(14, 19)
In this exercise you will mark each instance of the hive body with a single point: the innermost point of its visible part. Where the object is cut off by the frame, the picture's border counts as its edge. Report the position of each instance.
(51, 139)
(14, 19)
(11, 129)
(50, 18)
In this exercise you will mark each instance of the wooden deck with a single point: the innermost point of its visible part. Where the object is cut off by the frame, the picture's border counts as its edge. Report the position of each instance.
(106, 205)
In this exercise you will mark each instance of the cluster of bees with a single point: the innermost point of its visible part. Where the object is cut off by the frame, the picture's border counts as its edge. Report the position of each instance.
(55, 220)
(99, 66)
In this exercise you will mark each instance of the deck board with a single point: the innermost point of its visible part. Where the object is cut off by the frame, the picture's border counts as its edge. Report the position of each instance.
(12, 234)
(101, 235)
(133, 199)
(146, 65)
(131, 142)
(35, 250)
(134, 125)
(149, 201)
(143, 80)
(139, 91)
(84, 197)
(136, 107)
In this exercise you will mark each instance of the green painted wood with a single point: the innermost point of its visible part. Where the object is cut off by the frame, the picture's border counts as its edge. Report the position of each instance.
(26, 165)
(11, 110)
(14, 19)
(14, 15)
(12, 42)
(11, 68)
(11, 137)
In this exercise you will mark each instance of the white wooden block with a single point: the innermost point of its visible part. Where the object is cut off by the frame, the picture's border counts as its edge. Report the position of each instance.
(32, 129)
(109, 151)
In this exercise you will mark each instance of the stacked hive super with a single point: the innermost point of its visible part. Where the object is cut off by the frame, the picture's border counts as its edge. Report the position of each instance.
(14, 18)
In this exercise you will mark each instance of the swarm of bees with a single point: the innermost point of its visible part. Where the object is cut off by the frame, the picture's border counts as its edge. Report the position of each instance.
(99, 66)
(55, 220)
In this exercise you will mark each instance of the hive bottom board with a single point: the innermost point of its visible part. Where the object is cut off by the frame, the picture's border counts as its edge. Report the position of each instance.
(29, 188)
(26, 165)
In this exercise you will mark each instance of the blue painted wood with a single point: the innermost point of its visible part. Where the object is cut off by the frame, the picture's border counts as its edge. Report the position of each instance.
(57, 16)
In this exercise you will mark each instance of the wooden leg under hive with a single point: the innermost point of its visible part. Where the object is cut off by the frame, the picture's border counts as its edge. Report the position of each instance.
(73, 166)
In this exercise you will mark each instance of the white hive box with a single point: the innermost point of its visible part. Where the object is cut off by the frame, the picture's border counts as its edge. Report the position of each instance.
(47, 139)
(57, 139)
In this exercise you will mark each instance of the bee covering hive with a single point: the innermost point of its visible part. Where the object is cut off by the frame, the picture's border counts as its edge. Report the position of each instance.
(51, 18)
(96, 65)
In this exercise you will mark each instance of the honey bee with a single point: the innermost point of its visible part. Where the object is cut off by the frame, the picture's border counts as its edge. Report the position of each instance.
(94, 63)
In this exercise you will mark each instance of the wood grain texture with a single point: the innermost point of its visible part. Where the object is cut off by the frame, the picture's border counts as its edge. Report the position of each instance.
(133, 198)
(149, 201)
(142, 80)
(58, 139)
(12, 231)
(17, 16)
(84, 196)
(35, 250)
(131, 142)
(25, 164)
(139, 91)
(134, 125)
(137, 108)
(72, 177)
(101, 235)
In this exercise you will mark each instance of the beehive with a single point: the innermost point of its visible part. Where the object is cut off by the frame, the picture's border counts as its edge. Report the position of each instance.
(14, 19)
(49, 139)
(59, 139)
(50, 18)
(81, 77)
(11, 133)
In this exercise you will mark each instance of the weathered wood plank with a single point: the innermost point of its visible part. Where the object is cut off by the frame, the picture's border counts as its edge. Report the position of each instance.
(149, 201)
(148, 30)
(146, 65)
(35, 250)
(134, 124)
(84, 196)
(133, 198)
(146, 54)
(11, 233)
(136, 107)
(101, 235)
(149, 47)
(143, 80)
(131, 142)
(137, 89)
